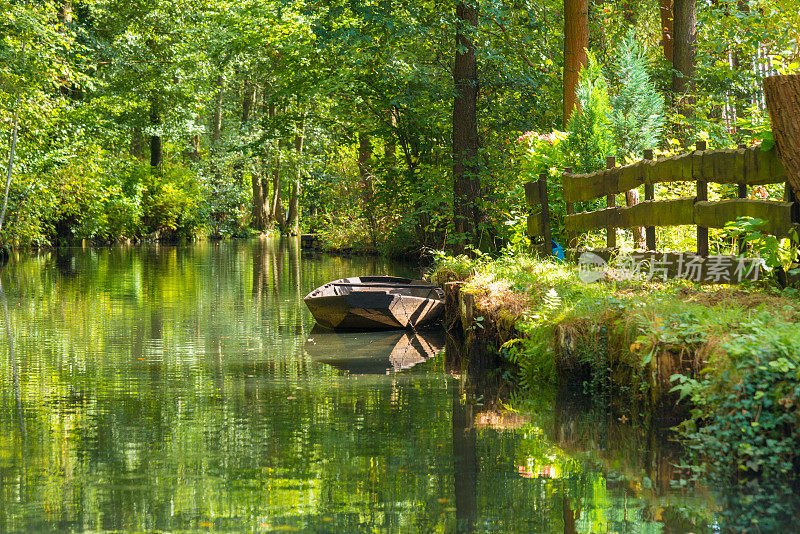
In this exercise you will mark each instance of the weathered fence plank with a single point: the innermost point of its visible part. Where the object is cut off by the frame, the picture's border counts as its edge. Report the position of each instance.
(674, 212)
(534, 225)
(777, 215)
(532, 194)
(748, 166)
(547, 243)
(686, 210)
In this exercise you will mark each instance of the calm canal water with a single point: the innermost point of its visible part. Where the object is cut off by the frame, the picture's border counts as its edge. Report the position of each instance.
(185, 389)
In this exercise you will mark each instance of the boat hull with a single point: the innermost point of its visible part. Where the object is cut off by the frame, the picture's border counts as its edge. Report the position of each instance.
(361, 305)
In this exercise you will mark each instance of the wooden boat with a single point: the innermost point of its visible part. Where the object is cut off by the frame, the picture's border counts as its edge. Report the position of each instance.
(375, 302)
(373, 353)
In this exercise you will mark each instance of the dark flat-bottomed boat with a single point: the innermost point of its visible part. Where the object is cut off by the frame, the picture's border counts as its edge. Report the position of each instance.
(375, 302)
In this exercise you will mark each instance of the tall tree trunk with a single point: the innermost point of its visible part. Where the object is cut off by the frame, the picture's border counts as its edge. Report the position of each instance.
(137, 143)
(684, 53)
(665, 9)
(262, 205)
(466, 182)
(293, 217)
(215, 127)
(742, 96)
(390, 151)
(367, 184)
(783, 103)
(11, 153)
(276, 204)
(194, 148)
(247, 105)
(258, 213)
(247, 100)
(156, 146)
(576, 40)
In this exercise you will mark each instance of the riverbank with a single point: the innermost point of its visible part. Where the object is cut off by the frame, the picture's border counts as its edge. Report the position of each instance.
(722, 363)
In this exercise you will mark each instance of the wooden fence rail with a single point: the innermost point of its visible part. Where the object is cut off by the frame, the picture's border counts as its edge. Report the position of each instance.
(742, 166)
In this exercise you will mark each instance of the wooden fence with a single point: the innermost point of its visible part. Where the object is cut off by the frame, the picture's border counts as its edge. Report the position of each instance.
(743, 166)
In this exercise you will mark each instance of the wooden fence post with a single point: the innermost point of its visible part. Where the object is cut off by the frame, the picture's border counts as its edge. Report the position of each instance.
(570, 209)
(741, 192)
(650, 194)
(547, 246)
(702, 195)
(611, 202)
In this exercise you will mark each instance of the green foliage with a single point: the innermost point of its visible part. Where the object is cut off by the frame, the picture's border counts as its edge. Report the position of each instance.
(744, 431)
(590, 139)
(637, 119)
(776, 253)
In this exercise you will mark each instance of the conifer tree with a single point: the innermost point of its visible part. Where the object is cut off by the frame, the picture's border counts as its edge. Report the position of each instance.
(637, 119)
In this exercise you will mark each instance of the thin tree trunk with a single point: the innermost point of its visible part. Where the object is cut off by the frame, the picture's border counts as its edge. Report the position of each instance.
(216, 114)
(367, 184)
(665, 9)
(247, 101)
(466, 182)
(576, 40)
(137, 143)
(262, 207)
(11, 153)
(293, 218)
(276, 205)
(390, 152)
(782, 94)
(194, 150)
(156, 145)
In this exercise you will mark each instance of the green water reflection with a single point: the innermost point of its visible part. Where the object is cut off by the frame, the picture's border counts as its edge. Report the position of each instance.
(183, 389)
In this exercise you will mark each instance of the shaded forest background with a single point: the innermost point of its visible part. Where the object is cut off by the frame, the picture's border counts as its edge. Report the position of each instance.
(388, 126)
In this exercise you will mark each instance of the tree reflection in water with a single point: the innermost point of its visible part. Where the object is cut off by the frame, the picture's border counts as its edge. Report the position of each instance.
(174, 388)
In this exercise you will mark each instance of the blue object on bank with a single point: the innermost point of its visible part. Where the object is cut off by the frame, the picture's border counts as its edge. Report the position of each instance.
(558, 250)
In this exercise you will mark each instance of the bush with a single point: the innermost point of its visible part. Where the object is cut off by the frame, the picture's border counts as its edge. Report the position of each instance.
(745, 427)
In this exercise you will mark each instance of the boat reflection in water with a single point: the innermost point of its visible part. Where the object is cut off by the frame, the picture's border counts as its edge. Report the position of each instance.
(381, 352)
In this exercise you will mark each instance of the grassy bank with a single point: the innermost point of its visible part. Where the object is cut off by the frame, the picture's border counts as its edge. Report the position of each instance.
(722, 361)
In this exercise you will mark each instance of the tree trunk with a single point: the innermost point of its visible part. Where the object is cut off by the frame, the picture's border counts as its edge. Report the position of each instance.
(12, 150)
(783, 103)
(258, 215)
(247, 101)
(390, 152)
(666, 28)
(216, 115)
(276, 205)
(576, 40)
(684, 53)
(466, 182)
(631, 199)
(742, 97)
(367, 184)
(194, 148)
(137, 143)
(156, 147)
(293, 218)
